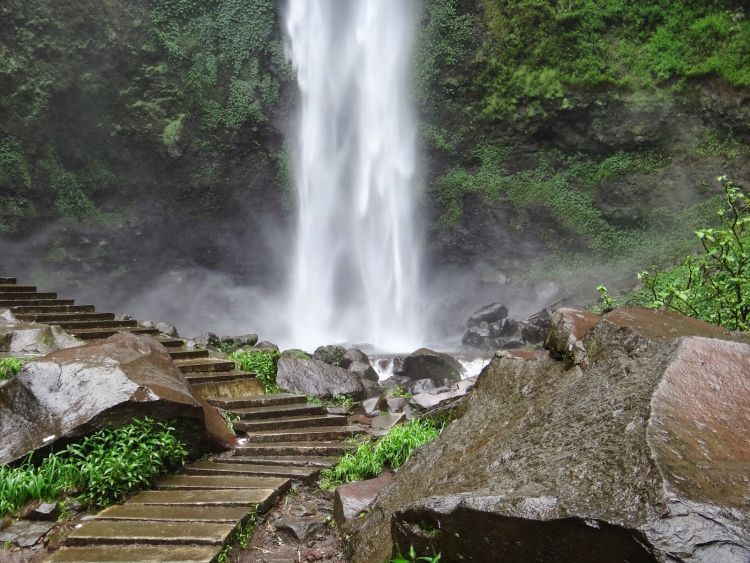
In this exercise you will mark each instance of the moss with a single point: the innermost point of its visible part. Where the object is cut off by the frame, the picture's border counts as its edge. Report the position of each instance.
(172, 131)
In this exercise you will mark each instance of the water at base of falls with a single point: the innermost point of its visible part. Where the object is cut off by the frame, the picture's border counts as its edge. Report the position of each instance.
(355, 275)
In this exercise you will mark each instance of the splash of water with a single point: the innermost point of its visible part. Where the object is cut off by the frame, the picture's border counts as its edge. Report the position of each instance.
(355, 272)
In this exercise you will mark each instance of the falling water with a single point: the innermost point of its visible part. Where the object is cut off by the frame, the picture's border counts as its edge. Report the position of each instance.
(355, 271)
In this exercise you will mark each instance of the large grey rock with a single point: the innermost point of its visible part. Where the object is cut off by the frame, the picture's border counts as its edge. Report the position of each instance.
(331, 354)
(354, 355)
(489, 314)
(428, 364)
(365, 371)
(18, 338)
(318, 379)
(640, 455)
(73, 392)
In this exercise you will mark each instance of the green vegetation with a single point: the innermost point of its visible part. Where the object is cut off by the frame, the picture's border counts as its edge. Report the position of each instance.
(240, 538)
(263, 363)
(412, 557)
(540, 54)
(336, 401)
(389, 452)
(715, 284)
(398, 391)
(9, 367)
(104, 467)
(172, 131)
(230, 53)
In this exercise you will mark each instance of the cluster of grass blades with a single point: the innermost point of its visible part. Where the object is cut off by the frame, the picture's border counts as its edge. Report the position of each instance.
(390, 452)
(263, 363)
(104, 466)
(9, 367)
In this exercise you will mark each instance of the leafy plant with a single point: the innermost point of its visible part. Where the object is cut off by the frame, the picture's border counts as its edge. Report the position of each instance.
(9, 367)
(402, 393)
(606, 299)
(263, 363)
(104, 466)
(240, 537)
(714, 285)
(391, 451)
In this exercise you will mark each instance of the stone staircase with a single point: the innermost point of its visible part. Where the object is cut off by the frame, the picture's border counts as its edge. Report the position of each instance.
(191, 516)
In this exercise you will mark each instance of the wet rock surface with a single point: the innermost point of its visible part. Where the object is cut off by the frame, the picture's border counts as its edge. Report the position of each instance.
(318, 379)
(351, 499)
(423, 364)
(32, 339)
(638, 454)
(491, 329)
(72, 392)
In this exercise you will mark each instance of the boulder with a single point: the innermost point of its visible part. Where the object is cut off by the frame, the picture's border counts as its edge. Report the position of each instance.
(351, 499)
(72, 392)
(365, 371)
(318, 379)
(353, 355)
(489, 314)
(428, 364)
(18, 338)
(535, 327)
(331, 354)
(477, 336)
(639, 454)
(209, 339)
(567, 328)
(267, 346)
(296, 353)
(166, 328)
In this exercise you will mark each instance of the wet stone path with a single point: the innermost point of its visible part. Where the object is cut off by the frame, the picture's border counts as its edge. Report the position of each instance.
(191, 517)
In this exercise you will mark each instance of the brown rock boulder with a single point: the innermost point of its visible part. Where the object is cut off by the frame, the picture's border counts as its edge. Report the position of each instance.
(73, 392)
(351, 499)
(641, 454)
(440, 368)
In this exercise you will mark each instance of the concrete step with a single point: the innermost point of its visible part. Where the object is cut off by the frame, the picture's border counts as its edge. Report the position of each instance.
(59, 318)
(99, 324)
(290, 423)
(274, 412)
(101, 333)
(249, 470)
(262, 499)
(200, 481)
(45, 309)
(15, 288)
(169, 342)
(25, 296)
(313, 449)
(155, 512)
(114, 532)
(140, 553)
(204, 365)
(33, 302)
(274, 399)
(7, 281)
(289, 461)
(196, 378)
(183, 353)
(322, 433)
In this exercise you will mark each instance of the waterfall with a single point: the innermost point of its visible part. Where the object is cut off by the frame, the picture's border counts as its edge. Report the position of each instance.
(355, 271)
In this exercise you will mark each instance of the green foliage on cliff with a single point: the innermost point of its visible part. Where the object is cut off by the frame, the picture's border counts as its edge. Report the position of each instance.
(539, 53)
(715, 284)
(230, 53)
(9, 367)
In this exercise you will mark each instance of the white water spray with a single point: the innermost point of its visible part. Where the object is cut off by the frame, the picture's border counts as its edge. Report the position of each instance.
(355, 274)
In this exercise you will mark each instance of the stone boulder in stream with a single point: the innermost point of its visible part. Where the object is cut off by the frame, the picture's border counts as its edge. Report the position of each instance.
(72, 392)
(439, 368)
(318, 379)
(640, 454)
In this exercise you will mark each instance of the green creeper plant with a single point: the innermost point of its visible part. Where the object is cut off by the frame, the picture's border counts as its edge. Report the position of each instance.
(261, 362)
(715, 284)
(9, 367)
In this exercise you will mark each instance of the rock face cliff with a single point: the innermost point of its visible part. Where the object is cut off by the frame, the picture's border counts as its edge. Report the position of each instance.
(149, 135)
(640, 453)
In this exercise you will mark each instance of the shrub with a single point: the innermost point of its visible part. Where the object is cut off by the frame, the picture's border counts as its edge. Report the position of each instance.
(9, 367)
(714, 285)
(104, 466)
(391, 451)
(261, 362)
